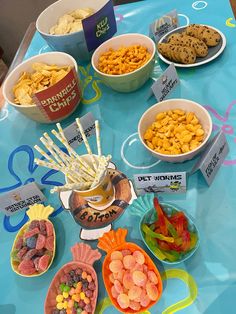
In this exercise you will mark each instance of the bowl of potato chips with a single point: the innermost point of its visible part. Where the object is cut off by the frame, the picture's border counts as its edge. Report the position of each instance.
(45, 88)
(175, 130)
(125, 62)
(60, 25)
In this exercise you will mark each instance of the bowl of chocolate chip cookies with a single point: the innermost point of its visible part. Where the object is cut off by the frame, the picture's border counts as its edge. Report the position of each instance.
(192, 45)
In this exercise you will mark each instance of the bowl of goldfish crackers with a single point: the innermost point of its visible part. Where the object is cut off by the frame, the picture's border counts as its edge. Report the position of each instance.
(175, 130)
(45, 88)
(124, 63)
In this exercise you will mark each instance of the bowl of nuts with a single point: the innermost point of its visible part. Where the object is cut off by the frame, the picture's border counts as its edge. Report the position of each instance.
(124, 63)
(175, 130)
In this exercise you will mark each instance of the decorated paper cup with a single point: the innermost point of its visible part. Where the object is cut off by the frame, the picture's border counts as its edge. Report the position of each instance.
(117, 249)
(102, 194)
(34, 247)
(56, 102)
(72, 279)
(143, 207)
(74, 43)
(131, 81)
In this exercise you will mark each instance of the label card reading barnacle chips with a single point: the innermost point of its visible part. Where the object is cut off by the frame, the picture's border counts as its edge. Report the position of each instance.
(100, 26)
(20, 198)
(72, 132)
(164, 25)
(168, 182)
(212, 158)
(60, 99)
(165, 83)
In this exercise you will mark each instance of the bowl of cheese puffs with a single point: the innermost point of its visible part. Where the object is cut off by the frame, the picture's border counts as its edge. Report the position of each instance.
(175, 130)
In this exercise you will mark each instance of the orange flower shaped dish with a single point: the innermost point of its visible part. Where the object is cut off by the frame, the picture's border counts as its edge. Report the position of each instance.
(132, 280)
(75, 285)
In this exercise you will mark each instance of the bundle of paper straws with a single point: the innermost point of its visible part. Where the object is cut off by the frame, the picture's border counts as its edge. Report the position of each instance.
(80, 174)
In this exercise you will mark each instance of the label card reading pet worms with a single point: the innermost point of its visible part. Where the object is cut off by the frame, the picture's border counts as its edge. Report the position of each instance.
(168, 182)
(212, 158)
(20, 198)
(164, 25)
(72, 132)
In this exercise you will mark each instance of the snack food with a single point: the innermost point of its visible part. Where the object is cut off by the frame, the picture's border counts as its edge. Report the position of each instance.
(198, 45)
(174, 132)
(71, 22)
(74, 288)
(169, 237)
(42, 77)
(197, 37)
(34, 247)
(210, 36)
(131, 279)
(123, 60)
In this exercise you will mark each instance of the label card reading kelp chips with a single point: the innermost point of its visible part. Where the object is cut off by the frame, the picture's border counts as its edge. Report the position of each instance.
(212, 158)
(165, 83)
(21, 198)
(72, 132)
(61, 99)
(164, 25)
(168, 182)
(100, 26)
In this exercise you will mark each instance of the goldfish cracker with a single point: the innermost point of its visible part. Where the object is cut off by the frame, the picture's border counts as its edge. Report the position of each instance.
(173, 131)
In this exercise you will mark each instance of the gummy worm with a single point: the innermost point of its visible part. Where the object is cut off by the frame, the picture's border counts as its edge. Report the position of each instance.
(189, 281)
(228, 22)
(95, 88)
(102, 305)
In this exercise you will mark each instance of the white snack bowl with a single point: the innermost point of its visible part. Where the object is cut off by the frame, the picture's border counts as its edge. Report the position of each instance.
(74, 43)
(33, 112)
(187, 105)
(132, 81)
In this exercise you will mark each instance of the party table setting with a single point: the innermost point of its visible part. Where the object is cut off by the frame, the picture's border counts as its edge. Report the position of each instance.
(118, 161)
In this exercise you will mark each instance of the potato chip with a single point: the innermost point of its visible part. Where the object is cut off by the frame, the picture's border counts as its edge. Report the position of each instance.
(44, 76)
(71, 22)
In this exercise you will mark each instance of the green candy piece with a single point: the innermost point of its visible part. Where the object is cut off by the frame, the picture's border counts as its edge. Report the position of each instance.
(75, 305)
(66, 288)
(79, 310)
(62, 285)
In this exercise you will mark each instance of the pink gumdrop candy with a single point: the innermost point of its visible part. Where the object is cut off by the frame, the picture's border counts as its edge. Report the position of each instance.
(144, 300)
(126, 252)
(123, 301)
(139, 278)
(115, 266)
(118, 287)
(152, 277)
(134, 292)
(120, 275)
(152, 291)
(134, 305)
(111, 278)
(138, 267)
(116, 255)
(128, 280)
(129, 262)
(139, 257)
(114, 293)
(145, 269)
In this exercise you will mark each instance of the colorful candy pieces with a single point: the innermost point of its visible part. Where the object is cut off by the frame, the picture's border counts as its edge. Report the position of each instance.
(35, 244)
(134, 286)
(76, 293)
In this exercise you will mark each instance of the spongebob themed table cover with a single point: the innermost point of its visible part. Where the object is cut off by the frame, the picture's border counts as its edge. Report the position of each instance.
(206, 282)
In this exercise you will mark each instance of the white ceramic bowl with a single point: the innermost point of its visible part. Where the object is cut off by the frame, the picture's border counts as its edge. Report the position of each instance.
(187, 105)
(33, 112)
(131, 81)
(74, 43)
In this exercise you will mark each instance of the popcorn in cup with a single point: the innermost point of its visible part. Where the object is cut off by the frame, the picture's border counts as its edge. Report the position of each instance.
(102, 194)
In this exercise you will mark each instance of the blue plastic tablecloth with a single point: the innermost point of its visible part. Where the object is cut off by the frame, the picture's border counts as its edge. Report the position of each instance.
(213, 208)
